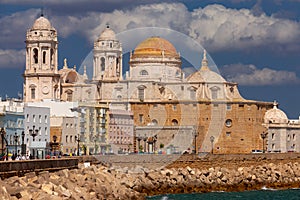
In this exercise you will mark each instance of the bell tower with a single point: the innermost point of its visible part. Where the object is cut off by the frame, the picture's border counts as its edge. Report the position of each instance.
(107, 57)
(41, 78)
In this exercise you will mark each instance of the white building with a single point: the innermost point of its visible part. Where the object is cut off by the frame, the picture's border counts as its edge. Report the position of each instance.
(283, 135)
(37, 130)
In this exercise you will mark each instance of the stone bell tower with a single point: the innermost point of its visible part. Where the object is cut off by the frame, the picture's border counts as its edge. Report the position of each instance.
(107, 57)
(41, 78)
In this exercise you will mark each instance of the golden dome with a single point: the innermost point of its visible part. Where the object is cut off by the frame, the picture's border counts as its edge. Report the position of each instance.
(155, 46)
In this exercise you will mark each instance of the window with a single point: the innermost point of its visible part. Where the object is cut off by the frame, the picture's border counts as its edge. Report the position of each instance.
(193, 94)
(44, 57)
(46, 131)
(141, 118)
(174, 122)
(214, 92)
(102, 63)
(71, 138)
(66, 139)
(69, 95)
(40, 118)
(174, 107)
(110, 45)
(273, 136)
(144, 73)
(228, 122)
(154, 122)
(294, 136)
(228, 106)
(32, 93)
(273, 146)
(228, 134)
(46, 119)
(154, 105)
(35, 55)
(51, 57)
(27, 117)
(33, 118)
(40, 131)
(141, 93)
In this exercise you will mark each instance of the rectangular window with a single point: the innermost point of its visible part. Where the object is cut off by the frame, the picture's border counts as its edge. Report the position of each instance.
(174, 107)
(33, 118)
(46, 131)
(66, 139)
(154, 105)
(141, 94)
(27, 116)
(40, 118)
(228, 134)
(141, 118)
(228, 106)
(46, 119)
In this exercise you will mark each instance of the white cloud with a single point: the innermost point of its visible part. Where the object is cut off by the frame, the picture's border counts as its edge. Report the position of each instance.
(220, 28)
(214, 26)
(251, 75)
(12, 58)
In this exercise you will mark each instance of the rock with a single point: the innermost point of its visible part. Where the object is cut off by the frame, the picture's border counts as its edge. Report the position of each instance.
(48, 188)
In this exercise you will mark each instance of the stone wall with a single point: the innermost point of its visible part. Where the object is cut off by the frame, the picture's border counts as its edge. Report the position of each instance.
(18, 168)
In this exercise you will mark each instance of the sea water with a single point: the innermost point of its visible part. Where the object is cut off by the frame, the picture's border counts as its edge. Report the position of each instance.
(292, 194)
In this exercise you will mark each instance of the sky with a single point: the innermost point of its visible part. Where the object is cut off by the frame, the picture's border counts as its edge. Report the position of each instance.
(253, 42)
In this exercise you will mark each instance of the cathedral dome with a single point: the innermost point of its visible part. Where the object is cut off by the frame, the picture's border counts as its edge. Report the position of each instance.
(275, 115)
(107, 34)
(42, 23)
(155, 46)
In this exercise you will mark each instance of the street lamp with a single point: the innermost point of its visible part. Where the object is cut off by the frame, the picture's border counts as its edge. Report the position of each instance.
(139, 141)
(2, 132)
(263, 136)
(212, 139)
(78, 140)
(33, 132)
(145, 139)
(195, 135)
(16, 137)
(23, 150)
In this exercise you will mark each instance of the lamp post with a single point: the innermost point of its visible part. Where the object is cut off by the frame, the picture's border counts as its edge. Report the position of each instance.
(2, 132)
(78, 140)
(195, 135)
(212, 139)
(263, 136)
(33, 132)
(23, 149)
(16, 137)
(139, 141)
(95, 140)
(145, 139)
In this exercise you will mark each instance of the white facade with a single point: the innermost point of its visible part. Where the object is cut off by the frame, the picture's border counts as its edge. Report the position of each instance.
(37, 130)
(283, 134)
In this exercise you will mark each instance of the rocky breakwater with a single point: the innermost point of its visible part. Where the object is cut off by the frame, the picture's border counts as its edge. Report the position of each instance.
(99, 182)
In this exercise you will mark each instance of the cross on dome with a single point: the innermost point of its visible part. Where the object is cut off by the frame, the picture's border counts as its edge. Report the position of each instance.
(275, 104)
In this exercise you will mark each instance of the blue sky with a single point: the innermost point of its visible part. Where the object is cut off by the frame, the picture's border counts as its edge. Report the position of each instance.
(254, 43)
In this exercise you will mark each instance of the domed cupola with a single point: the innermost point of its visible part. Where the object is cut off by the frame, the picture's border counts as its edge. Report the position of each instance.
(42, 23)
(155, 58)
(275, 115)
(107, 56)
(107, 34)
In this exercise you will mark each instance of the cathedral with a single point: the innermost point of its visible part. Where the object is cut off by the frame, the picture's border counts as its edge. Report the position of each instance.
(202, 112)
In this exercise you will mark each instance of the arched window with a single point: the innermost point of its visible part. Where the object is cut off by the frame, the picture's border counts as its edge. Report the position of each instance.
(32, 93)
(154, 122)
(143, 73)
(102, 64)
(35, 55)
(174, 122)
(214, 92)
(141, 93)
(51, 56)
(193, 94)
(69, 95)
(44, 57)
